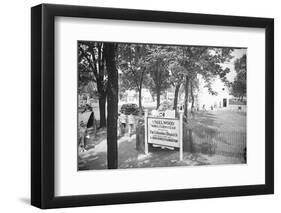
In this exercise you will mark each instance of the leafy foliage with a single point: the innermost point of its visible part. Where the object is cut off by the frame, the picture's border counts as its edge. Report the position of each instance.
(132, 64)
(158, 60)
(239, 86)
(92, 68)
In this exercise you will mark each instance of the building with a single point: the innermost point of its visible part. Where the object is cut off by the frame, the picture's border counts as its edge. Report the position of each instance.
(221, 100)
(207, 100)
(132, 96)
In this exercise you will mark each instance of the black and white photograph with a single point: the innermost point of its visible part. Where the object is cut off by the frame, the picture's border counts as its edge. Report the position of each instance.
(162, 105)
(143, 105)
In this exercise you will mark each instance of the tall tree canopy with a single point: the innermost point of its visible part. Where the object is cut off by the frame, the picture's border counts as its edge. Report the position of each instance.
(133, 66)
(239, 86)
(158, 60)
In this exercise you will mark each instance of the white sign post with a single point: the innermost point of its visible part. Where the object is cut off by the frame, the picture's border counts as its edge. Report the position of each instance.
(166, 132)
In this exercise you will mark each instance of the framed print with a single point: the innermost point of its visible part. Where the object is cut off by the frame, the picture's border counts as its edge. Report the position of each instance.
(140, 106)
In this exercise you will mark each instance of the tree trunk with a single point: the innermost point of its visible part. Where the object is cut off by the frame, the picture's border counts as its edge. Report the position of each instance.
(153, 97)
(112, 106)
(158, 85)
(140, 106)
(102, 100)
(158, 98)
(176, 98)
(186, 96)
(192, 95)
(140, 88)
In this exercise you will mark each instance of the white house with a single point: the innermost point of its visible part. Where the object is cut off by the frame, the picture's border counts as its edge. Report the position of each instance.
(207, 100)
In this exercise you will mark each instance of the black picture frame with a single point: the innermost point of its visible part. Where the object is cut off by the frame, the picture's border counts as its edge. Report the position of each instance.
(43, 102)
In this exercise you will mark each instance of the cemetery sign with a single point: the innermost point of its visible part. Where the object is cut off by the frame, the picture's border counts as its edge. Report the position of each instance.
(166, 132)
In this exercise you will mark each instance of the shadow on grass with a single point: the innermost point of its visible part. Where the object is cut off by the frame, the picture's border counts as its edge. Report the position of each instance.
(93, 161)
(212, 134)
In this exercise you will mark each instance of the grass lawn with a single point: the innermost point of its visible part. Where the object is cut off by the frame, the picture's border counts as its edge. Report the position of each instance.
(220, 133)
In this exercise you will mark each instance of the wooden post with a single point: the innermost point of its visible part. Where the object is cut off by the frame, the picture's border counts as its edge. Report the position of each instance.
(181, 135)
(145, 132)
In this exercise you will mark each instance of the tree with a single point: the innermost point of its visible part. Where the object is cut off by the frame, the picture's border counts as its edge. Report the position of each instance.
(132, 63)
(239, 86)
(206, 61)
(158, 60)
(110, 50)
(193, 86)
(176, 79)
(91, 59)
(86, 82)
